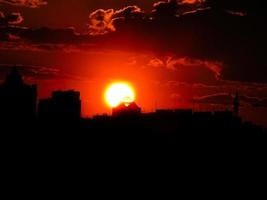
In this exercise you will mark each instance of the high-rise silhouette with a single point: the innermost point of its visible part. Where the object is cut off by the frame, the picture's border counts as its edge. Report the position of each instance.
(17, 100)
(63, 105)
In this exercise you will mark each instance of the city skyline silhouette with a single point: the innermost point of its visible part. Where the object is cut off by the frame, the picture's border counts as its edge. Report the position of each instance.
(12, 88)
(19, 104)
(117, 97)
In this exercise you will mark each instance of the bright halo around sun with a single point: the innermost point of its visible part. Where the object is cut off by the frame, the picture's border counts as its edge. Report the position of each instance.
(118, 93)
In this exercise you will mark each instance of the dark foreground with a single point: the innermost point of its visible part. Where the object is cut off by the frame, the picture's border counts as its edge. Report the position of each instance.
(127, 156)
(198, 133)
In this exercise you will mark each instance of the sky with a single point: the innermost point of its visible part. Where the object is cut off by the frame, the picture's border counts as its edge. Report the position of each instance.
(176, 54)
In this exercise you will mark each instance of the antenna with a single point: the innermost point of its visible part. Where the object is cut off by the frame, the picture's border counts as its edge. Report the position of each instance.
(236, 104)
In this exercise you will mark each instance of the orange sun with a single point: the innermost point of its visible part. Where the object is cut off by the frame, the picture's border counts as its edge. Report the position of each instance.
(118, 93)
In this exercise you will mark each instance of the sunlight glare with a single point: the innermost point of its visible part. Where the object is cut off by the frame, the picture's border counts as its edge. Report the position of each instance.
(118, 93)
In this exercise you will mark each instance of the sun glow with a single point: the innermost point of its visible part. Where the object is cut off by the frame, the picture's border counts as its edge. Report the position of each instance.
(118, 93)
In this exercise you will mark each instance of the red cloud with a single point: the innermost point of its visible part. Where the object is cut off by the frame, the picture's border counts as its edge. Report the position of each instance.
(192, 1)
(27, 3)
(101, 21)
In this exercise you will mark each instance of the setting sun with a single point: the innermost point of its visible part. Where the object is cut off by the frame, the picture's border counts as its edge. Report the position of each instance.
(120, 92)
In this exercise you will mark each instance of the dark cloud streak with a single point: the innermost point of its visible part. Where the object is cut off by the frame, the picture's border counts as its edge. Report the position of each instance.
(227, 99)
(37, 73)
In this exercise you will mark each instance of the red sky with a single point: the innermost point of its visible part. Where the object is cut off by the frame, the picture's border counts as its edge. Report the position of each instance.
(170, 57)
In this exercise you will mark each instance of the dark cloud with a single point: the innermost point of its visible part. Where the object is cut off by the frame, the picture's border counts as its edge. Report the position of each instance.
(2, 15)
(50, 36)
(103, 21)
(219, 98)
(220, 33)
(254, 101)
(173, 8)
(45, 36)
(38, 73)
(10, 19)
(165, 9)
(176, 63)
(252, 7)
(227, 99)
(129, 12)
(26, 3)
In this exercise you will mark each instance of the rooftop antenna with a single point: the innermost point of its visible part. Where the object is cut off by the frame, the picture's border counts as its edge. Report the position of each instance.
(236, 104)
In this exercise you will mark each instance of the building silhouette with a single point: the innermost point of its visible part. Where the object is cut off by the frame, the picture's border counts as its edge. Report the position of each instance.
(18, 100)
(62, 106)
(59, 114)
(126, 110)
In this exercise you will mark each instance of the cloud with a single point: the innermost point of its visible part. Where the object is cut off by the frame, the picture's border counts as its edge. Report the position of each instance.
(192, 1)
(227, 99)
(173, 8)
(251, 7)
(176, 63)
(103, 21)
(219, 98)
(165, 9)
(254, 101)
(230, 45)
(45, 36)
(51, 36)
(156, 63)
(237, 13)
(129, 12)
(36, 73)
(10, 19)
(26, 3)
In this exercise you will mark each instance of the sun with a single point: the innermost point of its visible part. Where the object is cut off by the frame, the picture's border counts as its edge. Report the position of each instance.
(120, 92)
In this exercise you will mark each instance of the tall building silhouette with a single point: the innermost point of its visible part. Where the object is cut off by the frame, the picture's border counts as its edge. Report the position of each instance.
(63, 105)
(18, 100)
